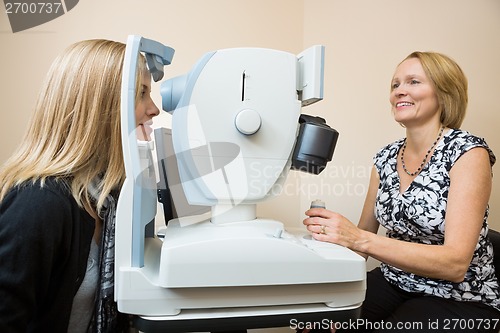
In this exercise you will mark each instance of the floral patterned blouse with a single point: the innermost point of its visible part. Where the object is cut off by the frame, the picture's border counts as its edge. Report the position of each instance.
(418, 215)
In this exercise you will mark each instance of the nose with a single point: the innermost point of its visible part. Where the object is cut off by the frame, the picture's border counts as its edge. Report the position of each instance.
(152, 110)
(399, 91)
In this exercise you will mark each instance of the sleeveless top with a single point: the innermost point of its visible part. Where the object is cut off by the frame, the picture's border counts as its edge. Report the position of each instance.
(418, 215)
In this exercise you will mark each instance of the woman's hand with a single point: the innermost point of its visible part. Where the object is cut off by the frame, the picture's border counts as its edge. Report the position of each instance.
(328, 226)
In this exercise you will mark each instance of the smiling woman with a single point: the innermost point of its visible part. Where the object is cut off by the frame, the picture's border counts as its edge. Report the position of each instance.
(431, 83)
(436, 258)
(412, 95)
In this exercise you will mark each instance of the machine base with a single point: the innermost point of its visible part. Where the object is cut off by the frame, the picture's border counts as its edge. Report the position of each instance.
(328, 274)
(241, 319)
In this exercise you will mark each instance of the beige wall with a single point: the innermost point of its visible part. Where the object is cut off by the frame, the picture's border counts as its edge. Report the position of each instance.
(364, 41)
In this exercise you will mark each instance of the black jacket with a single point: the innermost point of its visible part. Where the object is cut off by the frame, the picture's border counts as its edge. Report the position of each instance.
(44, 245)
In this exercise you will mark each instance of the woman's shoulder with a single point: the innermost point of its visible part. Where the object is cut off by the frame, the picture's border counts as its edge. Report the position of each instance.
(38, 200)
(389, 150)
(47, 189)
(458, 141)
(463, 138)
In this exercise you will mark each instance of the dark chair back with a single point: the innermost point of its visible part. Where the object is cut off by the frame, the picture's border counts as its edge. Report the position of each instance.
(495, 240)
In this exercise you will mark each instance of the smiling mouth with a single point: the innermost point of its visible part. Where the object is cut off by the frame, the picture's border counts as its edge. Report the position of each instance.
(403, 104)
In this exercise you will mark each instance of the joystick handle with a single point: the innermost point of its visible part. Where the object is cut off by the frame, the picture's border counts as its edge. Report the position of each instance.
(318, 204)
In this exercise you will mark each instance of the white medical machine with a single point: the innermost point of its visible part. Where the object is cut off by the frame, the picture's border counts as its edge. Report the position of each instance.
(237, 130)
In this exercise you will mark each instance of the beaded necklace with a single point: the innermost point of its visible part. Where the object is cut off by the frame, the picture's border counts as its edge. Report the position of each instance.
(425, 157)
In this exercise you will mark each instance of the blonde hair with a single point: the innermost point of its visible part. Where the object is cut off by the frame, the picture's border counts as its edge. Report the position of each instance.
(450, 85)
(74, 133)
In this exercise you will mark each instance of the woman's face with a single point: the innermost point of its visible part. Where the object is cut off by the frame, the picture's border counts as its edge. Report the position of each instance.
(145, 110)
(412, 97)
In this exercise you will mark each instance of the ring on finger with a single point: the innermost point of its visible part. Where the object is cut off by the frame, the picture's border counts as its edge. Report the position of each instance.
(323, 232)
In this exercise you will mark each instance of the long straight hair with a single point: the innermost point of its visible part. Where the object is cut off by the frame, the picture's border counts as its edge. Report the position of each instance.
(74, 133)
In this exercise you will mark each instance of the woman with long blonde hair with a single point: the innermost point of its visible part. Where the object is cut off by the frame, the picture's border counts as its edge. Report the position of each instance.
(59, 187)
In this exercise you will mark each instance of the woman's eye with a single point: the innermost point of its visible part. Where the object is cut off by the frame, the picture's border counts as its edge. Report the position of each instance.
(414, 82)
(395, 85)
